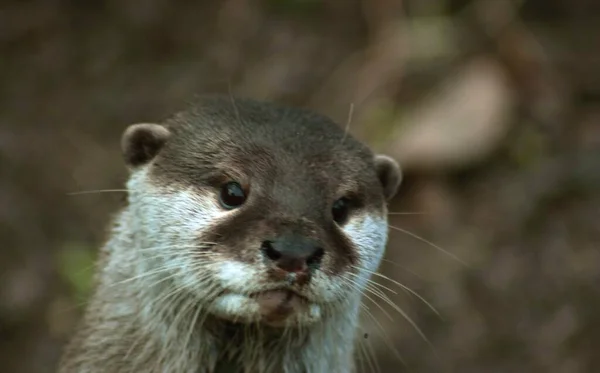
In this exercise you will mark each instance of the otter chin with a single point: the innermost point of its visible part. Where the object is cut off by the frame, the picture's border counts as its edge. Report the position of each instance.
(275, 308)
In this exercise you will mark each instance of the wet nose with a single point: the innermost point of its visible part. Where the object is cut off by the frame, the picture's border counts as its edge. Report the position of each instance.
(293, 254)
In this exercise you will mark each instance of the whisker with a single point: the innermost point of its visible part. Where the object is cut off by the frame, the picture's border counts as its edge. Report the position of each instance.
(378, 293)
(373, 283)
(195, 268)
(357, 288)
(348, 122)
(388, 341)
(407, 213)
(158, 311)
(361, 356)
(199, 245)
(192, 326)
(97, 191)
(190, 307)
(370, 352)
(155, 271)
(404, 287)
(235, 108)
(400, 311)
(183, 306)
(157, 268)
(166, 254)
(370, 359)
(402, 268)
(430, 244)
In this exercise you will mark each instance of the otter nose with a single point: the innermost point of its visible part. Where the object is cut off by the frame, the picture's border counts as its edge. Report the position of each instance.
(293, 253)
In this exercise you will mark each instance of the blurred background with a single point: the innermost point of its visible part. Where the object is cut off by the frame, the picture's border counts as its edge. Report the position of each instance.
(492, 107)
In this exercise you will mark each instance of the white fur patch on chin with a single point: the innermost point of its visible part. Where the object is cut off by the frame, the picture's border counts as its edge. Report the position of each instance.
(241, 308)
(235, 307)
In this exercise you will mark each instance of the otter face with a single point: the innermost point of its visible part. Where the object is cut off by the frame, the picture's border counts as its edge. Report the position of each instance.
(279, 218)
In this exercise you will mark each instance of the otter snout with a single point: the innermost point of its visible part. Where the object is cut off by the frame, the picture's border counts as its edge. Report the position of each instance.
(292, 257)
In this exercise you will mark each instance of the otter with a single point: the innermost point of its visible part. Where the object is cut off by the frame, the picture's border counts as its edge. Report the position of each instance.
(248, 236)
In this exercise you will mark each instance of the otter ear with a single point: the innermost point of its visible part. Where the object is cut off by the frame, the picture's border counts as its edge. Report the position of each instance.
(141, 142)
(389, 173)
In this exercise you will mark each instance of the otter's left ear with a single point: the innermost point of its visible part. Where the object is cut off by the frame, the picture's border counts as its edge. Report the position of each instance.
(141, 142)
(389, 174)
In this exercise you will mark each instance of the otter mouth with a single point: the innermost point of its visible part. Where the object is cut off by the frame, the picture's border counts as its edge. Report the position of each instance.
(275, 306)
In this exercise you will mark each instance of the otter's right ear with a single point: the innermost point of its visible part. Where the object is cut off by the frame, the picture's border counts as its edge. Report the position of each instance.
(389, 174)
(141, 142)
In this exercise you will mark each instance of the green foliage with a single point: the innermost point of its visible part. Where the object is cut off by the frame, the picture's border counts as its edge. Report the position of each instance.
(76, 267)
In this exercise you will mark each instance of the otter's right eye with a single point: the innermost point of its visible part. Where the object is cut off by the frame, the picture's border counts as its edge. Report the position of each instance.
(340, 210)
(232, 195)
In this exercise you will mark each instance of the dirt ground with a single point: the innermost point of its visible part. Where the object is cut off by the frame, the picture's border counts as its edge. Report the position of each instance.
(492, 107)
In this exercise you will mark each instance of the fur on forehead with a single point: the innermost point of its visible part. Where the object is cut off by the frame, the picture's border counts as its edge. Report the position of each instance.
(247, 124)
(249, 136)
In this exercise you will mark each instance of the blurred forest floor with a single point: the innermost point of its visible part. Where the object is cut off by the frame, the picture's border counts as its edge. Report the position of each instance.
(492, 107)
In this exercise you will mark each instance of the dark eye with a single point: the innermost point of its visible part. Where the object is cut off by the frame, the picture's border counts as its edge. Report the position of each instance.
(340, 210)
(232, 195)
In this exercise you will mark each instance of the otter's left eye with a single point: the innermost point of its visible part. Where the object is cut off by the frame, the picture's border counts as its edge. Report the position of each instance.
(232, 195)
(340, 210)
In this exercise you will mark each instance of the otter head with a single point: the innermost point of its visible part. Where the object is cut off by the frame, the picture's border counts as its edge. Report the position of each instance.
(258, 213)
